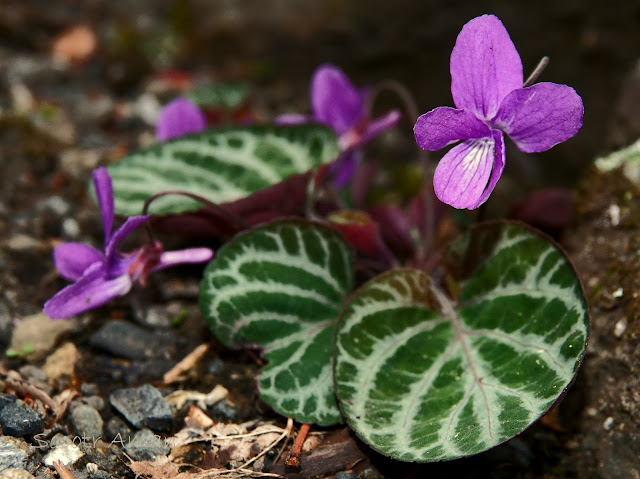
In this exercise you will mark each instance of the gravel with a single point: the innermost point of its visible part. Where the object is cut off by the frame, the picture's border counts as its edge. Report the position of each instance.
(143, 407)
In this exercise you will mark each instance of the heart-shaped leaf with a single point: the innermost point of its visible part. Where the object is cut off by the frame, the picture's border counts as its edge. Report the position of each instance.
(221, 165)
(421, 377)
(221, 95)
(281, 287)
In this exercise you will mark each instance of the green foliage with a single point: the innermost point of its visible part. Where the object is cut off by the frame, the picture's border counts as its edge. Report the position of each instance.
(421, 377)
(281, 287)
(222, 165)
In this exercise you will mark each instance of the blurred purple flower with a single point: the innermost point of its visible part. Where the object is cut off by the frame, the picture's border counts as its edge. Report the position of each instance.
(486, 85)
(179, 117)
(101, 276)
(335, 101)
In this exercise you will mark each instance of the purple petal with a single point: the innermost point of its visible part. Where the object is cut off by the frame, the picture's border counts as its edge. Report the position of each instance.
(121, 233)
(73, 259)
(343, 169)
(379, 125)
(291, 119)
(179, 117)
(104, 193)
(540, 116)
(463, 173)
(498, 165)
(91, 291)
(444, 125)
(190, 255)
(485, 66)
(335, 100)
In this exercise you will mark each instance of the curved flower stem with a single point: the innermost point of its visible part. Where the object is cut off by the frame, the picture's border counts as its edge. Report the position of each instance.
(536, 72)
(423, 155)
(237, 222)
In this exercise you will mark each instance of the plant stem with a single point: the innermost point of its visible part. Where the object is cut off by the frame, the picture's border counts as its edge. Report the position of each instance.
(293, 459)
(423, 156)
(236, 221)
(536, 72)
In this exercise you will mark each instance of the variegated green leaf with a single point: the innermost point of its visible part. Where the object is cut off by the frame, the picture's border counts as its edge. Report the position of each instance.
(220, 95)
(421, 377)
(281, 287)
(221, 165)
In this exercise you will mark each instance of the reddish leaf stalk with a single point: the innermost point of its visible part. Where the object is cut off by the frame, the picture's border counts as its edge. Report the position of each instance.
(293, 459)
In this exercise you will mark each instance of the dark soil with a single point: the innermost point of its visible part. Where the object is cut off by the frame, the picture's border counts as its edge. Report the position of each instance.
(57, 123)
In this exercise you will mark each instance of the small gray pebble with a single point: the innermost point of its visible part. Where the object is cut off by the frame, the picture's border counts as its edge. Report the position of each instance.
(370, 474)
(15, 473)
(117, 429)
(19, 420)
(345, 475)
(143, 407)
(87, 422)
(11, 456)
(89, 389)
(146, 446)
(225, 409)
(216, 366)
(123, 339)
(95, 402)
(60, 440)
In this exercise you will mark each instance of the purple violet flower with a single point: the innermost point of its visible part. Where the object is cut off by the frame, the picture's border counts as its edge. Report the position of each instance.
(179, 117)
(335, 101)
(487, 88)
(101, 276)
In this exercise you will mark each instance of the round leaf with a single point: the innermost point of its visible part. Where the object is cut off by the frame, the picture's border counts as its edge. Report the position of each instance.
(421, 377)
(281, 287)
(221, 165)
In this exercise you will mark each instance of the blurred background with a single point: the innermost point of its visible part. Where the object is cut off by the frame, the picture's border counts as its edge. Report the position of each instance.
(124, 46)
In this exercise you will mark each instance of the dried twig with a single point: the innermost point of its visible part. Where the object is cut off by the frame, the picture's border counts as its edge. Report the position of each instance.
(185, 364)
(24, 387)
(63, 471)
(242, 469)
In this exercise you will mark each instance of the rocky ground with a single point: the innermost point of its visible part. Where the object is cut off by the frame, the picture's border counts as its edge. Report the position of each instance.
(79, 87)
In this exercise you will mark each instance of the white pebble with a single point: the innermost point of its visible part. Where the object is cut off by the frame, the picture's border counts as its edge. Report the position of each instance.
(66, 454)
(608, 424)
(614, 214)
(70, 228)
(620, 327)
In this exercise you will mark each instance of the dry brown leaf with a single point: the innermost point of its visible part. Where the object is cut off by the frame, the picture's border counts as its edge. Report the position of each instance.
(197, 418)
(63, 400)
(161, 468)
(76, 44)
(203, 400)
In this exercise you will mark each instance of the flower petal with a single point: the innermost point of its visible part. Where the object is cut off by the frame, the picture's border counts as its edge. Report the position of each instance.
(343, 169)
(485, 66)
(104, 193)
(73, 259)
(335, 100)
(179, 117)
(444, 125)
(379, 125)
(121, 233)
(291, 119)
(498, 165)
(540, 116)
(463, 173)
(190, 255)
(90, 291)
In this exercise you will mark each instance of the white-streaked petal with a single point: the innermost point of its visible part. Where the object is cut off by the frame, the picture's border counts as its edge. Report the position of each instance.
(463, 173)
